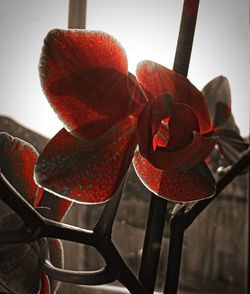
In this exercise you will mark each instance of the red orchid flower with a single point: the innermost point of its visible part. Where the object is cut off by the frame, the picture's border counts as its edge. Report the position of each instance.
(230, 144)
(107, 112)
(20, 270)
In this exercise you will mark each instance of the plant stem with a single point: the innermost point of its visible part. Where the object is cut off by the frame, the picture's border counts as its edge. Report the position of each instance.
(152, 242)
(77, 14)
(15, 201)
(174, 257)
(186, 36)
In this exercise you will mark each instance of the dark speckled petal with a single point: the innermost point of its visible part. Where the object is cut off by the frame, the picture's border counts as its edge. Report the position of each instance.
(89, 173)
(17, 160)
(157, 80)
(183, 186)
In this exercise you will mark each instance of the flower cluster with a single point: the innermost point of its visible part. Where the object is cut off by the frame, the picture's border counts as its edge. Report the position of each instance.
(108, 112)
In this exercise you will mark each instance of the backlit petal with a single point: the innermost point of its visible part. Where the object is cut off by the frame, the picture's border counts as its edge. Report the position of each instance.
(231, 145)
(182, 123)
(190, 185)
(185, 158)
(85, 78)
(89, 173)
(17, 160)
(158, 80)
(218, 98)
(149, 122)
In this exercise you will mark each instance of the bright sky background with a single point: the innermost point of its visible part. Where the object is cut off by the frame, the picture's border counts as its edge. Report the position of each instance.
(146, 29)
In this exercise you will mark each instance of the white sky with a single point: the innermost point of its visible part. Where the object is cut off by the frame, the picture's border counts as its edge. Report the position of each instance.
(146, 29)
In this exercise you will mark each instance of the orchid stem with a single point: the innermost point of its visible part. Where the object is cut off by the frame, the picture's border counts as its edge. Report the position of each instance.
(77, 14)
(183, 219)
(15, 201)
(106, 220)
(152, 242)
(186, 37)
(243, 163)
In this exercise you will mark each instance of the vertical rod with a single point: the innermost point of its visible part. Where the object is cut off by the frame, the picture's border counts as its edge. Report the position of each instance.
(181, 65)
(152, 242)
(174, 257)
(186, 36)
(248, 235)
(77, 14)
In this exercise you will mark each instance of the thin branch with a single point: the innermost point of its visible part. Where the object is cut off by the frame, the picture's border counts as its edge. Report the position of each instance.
(19, 205)
(241, 165)
(77, 14)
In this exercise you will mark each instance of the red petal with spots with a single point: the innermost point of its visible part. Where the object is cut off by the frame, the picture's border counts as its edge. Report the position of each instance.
(144, 131)
(194, 184)
(182, 123)
(157, 80)
(84, 76)
(185, 158)
(17, 160)
(161, 137)
(45, 289)
(150, 120)
(89, 173)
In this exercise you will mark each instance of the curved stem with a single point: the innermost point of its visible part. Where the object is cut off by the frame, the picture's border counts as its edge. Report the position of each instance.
(18, 204)
(183, 219)
(236, 170)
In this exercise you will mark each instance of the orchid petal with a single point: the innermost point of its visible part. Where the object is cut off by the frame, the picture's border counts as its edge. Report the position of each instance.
(89, 173)
(157, 80)
(20, 268)
(150, 120)
(182, 123)
(231, 145)
(45, 289)
(218, 97)
(17, 160)
(85, 78)
(183, 186)
(144, 130)
(185, 158)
